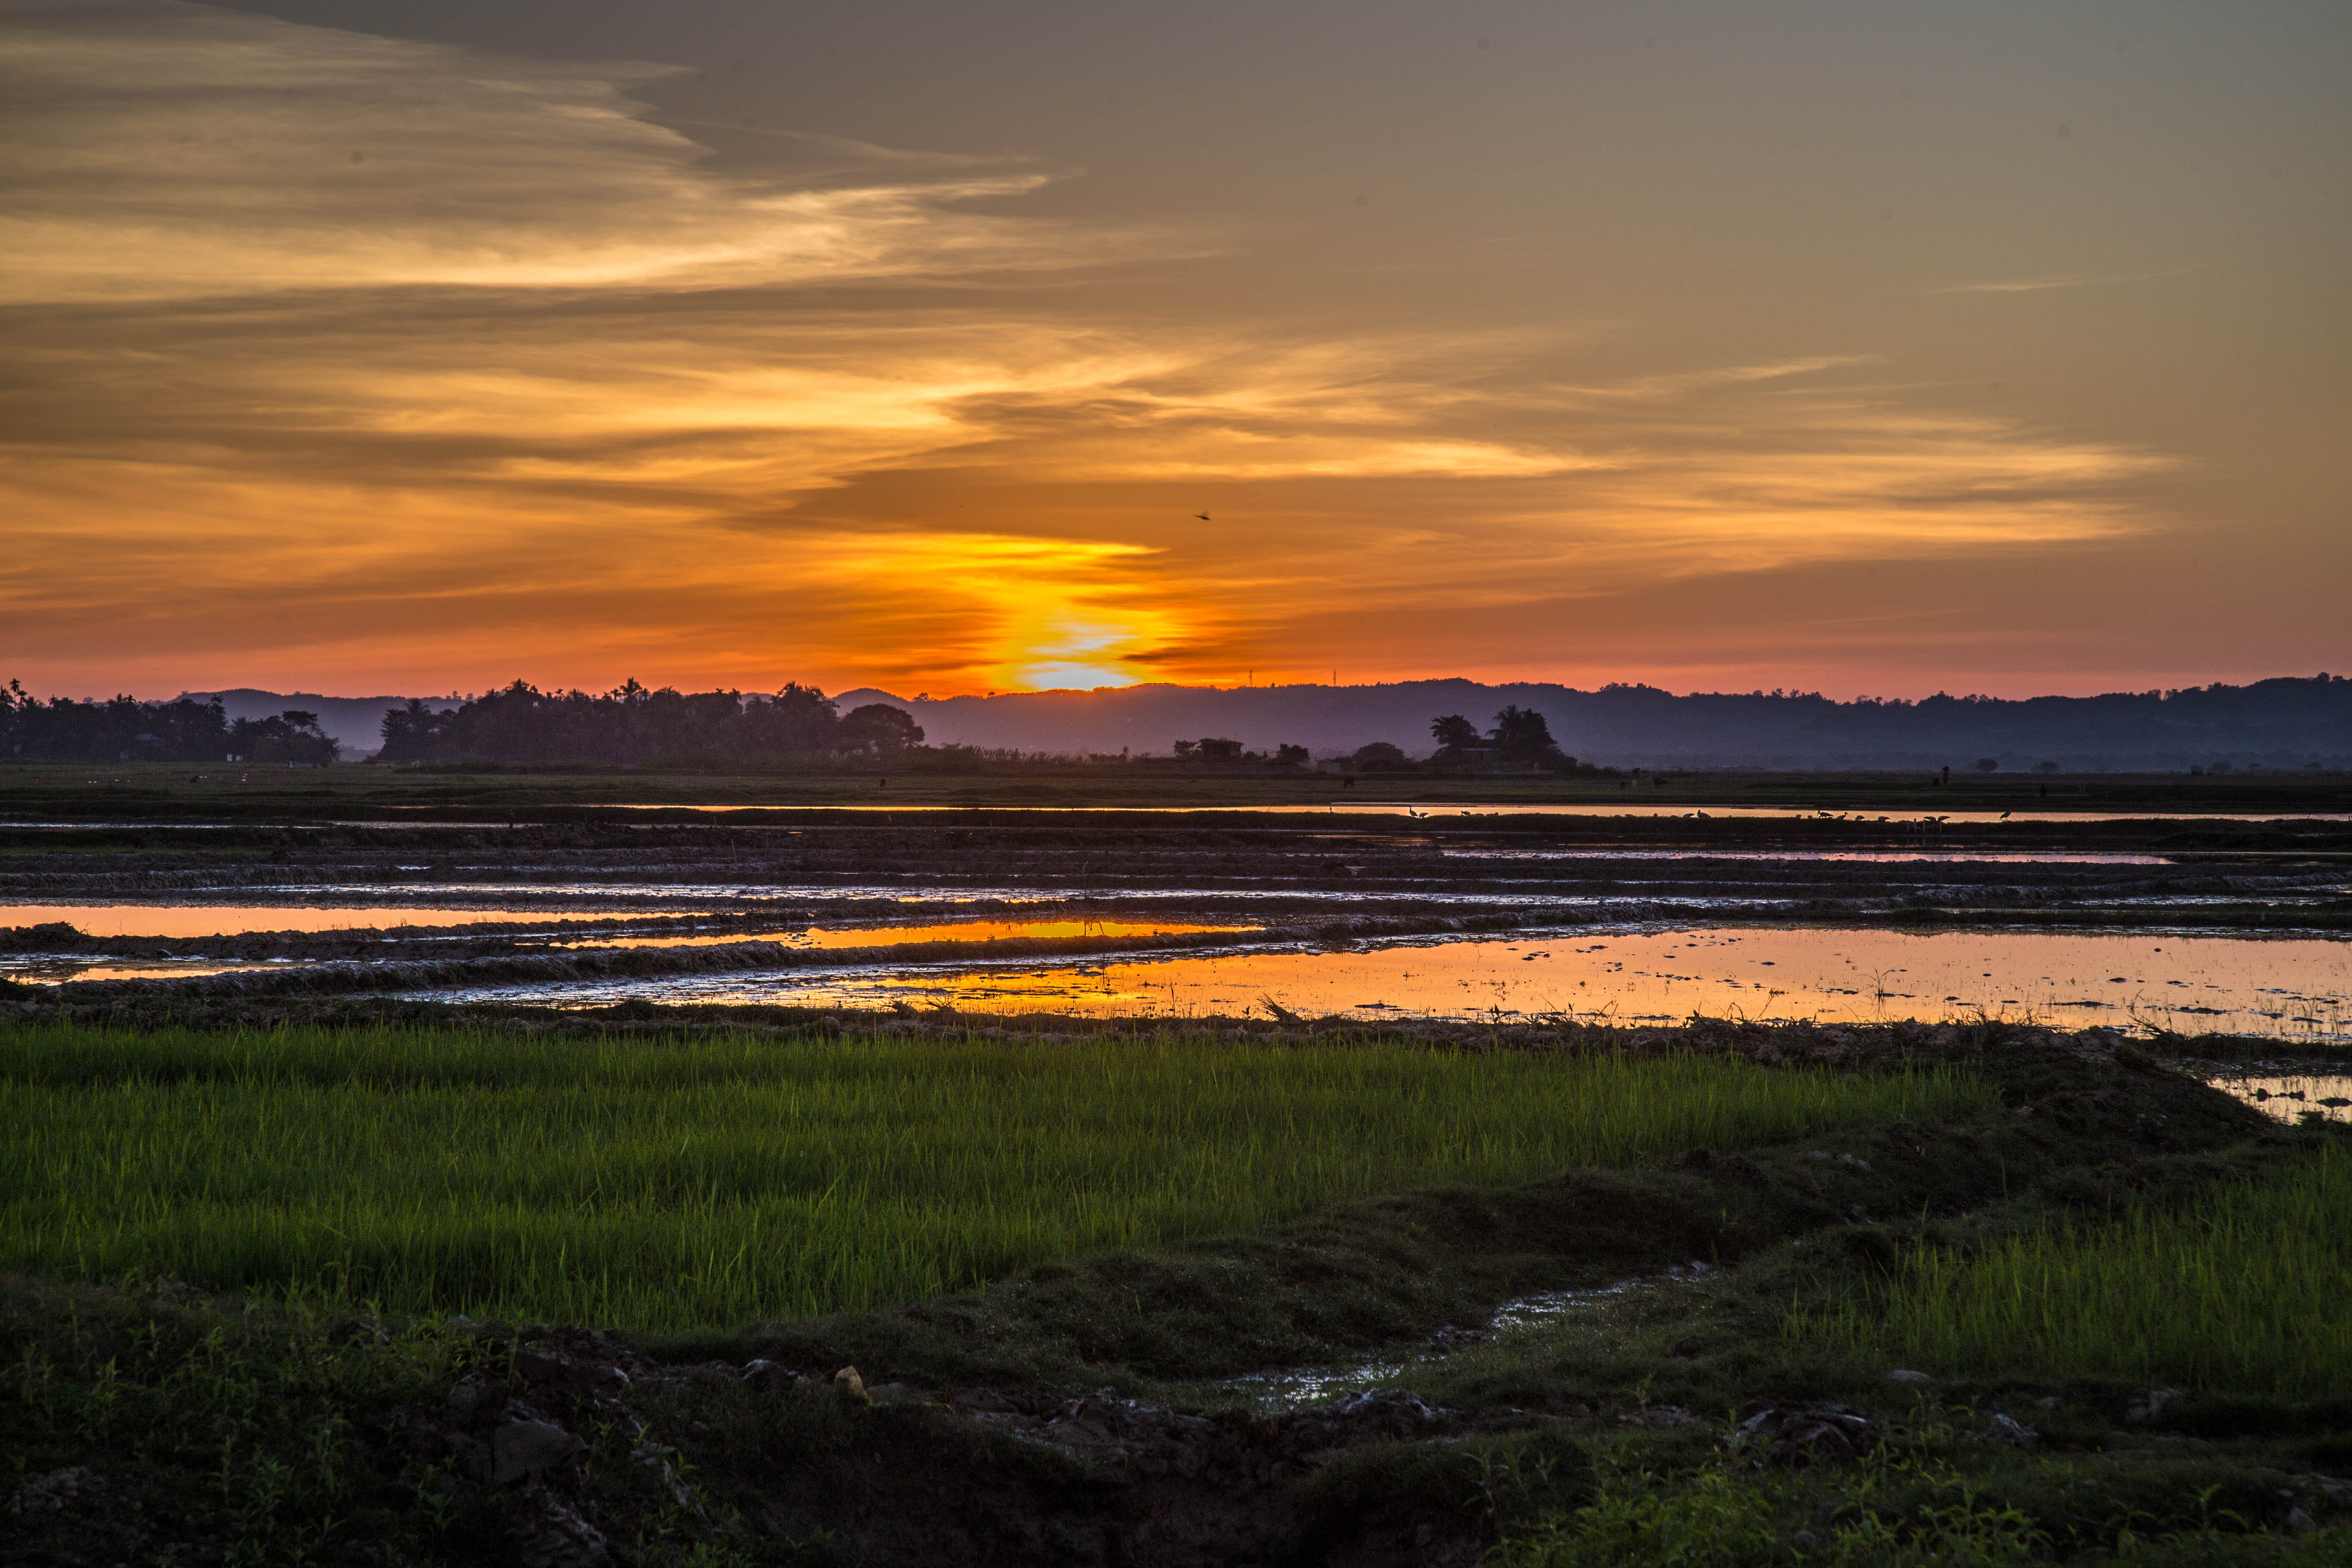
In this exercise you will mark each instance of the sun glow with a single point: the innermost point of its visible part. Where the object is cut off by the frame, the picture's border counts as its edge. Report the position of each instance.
(1008, 614)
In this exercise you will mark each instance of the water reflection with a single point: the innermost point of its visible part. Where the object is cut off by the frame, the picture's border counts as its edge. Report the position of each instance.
(1276, 1390)
(657, 897)
(899, 936)
(42, 969)
(182, 922)
(1888, 857)
(2294, 1096)
(2269, 985)
(1456, 809)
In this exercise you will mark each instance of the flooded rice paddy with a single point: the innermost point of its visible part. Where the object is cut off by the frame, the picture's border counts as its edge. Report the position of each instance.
(2194, 982)
(2237, 927)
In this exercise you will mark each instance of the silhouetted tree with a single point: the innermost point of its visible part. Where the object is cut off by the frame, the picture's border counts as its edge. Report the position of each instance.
(1291, 756)
(122, 730)
(1453, 732)
(796, 719)
(879, 727)
(1215, 749)
(292, 737)
(629, 723)
(1521, 735)
(1378, 756)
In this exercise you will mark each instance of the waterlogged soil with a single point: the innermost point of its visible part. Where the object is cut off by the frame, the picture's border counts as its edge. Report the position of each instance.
(1089, 911)
(1396, 1381)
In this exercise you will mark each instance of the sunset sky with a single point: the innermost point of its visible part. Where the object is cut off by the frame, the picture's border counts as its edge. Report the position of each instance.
(411, 345)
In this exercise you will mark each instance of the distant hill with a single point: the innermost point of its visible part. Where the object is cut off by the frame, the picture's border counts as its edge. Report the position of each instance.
(2286, 722)
(356, 721)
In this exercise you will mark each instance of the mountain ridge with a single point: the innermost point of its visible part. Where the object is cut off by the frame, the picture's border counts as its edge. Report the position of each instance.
(2283, 721)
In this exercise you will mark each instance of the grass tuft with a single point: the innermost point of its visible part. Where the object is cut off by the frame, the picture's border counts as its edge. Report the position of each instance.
(2244, 1291)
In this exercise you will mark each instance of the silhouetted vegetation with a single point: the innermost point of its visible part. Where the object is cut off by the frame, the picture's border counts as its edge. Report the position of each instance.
(125, 729)
(1520, 734)
(1221, 754)
(2304, 725)
(292, 737)
(1453, 733)
(1521, 739)
(633, 724)
(878, 727)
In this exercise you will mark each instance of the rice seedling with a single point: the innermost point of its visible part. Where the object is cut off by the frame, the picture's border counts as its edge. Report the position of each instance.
(2246, 1291)
(678, 1182)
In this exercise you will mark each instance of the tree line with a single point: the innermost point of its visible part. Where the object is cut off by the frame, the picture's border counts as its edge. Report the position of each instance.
(1520, 740)
(632, 723)
(126, 730)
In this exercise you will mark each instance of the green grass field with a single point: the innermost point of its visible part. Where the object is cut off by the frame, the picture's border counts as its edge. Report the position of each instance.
(668, 1184)
(2244, 1291)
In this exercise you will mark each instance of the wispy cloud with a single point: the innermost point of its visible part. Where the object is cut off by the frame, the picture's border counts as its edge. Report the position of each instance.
(2069, 281)
(167, 151)
(1680, 383)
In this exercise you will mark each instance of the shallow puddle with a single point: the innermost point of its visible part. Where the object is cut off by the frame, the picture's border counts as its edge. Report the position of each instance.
(1277, 1391)
(900, 936)
(621, 898)
(654, 898)
(1880, 857)
(2294, 1096)
(2297, 986)
(182, 922)
(1450, 809)
(42, 969)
